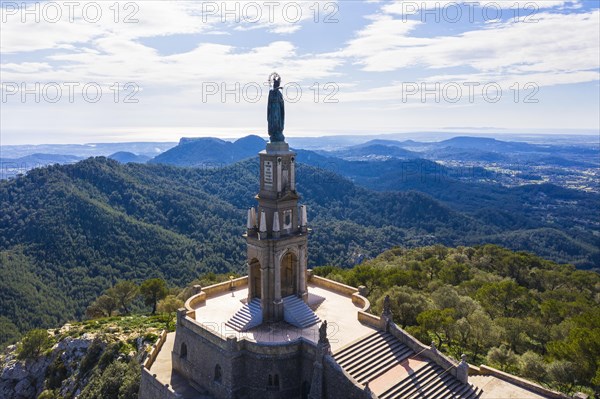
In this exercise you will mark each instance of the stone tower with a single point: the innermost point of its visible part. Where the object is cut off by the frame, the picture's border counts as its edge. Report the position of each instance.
(277, 234)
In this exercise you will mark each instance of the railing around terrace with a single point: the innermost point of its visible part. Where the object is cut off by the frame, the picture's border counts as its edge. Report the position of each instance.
(152, 388)
(155, 349)
(530, 386)
(341, 289)
(213, 290)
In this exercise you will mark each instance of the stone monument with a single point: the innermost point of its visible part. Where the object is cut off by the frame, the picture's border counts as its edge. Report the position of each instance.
(277, 229)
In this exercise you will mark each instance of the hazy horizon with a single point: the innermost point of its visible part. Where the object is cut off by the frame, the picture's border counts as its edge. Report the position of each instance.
(497, 134)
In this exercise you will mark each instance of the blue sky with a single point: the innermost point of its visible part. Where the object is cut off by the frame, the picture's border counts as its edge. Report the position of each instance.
(369, 67)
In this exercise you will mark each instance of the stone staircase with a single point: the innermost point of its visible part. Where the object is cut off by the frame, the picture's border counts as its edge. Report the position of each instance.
(372, 356)
(431, 382)
(376, 354)
(297, 313)
(249, 316)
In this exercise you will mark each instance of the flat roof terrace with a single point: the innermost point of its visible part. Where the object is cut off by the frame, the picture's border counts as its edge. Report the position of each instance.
(341, 313)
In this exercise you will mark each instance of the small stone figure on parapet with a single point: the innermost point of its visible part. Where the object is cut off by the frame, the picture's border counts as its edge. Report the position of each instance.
(387, 309)
(323, 348)
(462, 372)
(386, 315)
(323, 333)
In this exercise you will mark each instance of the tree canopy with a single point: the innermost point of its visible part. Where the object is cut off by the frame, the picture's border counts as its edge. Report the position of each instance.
(511, 310)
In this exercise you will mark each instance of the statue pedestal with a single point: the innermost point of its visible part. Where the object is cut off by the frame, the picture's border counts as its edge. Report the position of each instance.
(278, 147)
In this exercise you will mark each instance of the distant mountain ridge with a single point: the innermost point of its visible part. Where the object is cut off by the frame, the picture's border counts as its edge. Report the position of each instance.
(150, 149)
(214, 152)
(374, 151)
(210, 152)
(39, 159)
(126, 157)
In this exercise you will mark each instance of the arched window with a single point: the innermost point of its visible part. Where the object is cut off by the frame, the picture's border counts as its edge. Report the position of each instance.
(305, 389)
(218, 373)
(289, 266)
(183, 351)
(273, 382)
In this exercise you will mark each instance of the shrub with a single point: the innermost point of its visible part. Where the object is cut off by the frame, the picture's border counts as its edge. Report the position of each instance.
(91, 357)
(34, 343)
(56, 374)
(119, 381)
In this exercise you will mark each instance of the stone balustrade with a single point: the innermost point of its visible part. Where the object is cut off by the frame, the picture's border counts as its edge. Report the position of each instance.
(155, 349)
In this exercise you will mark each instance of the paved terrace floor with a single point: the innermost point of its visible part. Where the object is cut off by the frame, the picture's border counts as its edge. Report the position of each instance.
(495, 388)
(343, 326)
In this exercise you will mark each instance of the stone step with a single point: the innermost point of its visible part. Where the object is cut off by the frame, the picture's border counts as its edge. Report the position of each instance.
(442, 387)
(382, 364)
(358, 347)
(402, 389)
(372, 356)
(348, 349)
(431, 382)
(241, 317)
(450, 387)
(234, 325)
(462, 389)
(244, 315)
(297, 313)
(377, 353)
(369, 346)
(249, 316)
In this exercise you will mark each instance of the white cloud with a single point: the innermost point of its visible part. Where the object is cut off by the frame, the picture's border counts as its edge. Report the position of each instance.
(383, 34)
(552, 46)
(42, 29)
(113, 59)
(107, 52)
(39, 31)
(412, 7)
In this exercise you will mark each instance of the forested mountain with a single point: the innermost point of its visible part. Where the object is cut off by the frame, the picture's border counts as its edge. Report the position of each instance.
(38, 160)
(547, 219)
(69, 232)
(127, 157)
(210, 151)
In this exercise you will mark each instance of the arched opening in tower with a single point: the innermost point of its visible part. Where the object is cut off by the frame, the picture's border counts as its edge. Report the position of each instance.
(289, 267)
(255, 278)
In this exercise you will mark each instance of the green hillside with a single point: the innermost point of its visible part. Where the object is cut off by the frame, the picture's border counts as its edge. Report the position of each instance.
(69, 232)
(510, 310)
